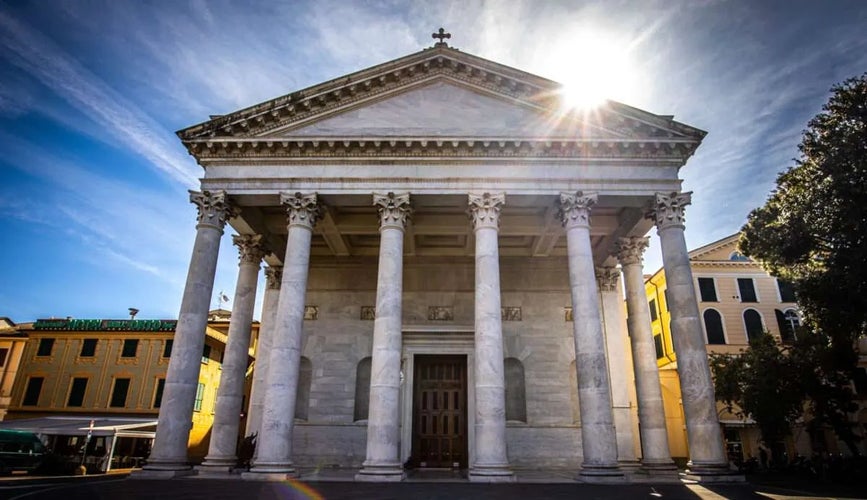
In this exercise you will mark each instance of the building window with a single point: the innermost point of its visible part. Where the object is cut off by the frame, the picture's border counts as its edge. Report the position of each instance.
(158, 393)
(31, 394)
(118, 394)
(167, 348)
(660, 348)
(88, 348)
(206, 354)
(788, 322)
(362, 390)
(652, 305)
(707, 290)
(76, 392)
(665, 295)
(3, 353)
(200, 395)
(753, 324)
(516, 396)
(747, 290)
(45, 347)
(130, 347)
(738, 257)
(713, 326)
(787, 291)
(302, 397)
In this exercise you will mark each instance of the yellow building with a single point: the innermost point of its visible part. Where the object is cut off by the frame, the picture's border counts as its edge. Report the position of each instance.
(737, 300)
(11, 348)
(111, 370)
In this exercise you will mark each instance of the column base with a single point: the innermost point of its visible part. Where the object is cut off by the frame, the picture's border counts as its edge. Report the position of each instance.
(659, 467)
(207, 469)
(711, 473)
(491, 474)
(381, 473)
(601, 473)
(163, 471)
(629, 466)
(271, 471)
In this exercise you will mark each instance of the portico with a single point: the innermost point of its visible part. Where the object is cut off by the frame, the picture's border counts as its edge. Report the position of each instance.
(438, 204)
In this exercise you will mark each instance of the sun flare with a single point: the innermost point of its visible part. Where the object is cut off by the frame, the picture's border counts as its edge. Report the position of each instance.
(591, 67)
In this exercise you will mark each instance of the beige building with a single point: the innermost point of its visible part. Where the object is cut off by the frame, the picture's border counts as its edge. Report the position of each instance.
(113, 372)
(12, 344)
(737, 300)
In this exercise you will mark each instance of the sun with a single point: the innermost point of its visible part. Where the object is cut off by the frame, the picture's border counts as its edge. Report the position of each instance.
(592, 67)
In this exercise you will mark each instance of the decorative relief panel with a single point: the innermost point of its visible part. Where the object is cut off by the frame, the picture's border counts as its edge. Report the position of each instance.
(441, 313)
(311, 313)
(568, 314)
(511, 313)
(368, 313)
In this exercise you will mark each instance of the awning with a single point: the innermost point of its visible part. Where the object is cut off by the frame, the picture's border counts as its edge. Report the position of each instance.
(79, 426)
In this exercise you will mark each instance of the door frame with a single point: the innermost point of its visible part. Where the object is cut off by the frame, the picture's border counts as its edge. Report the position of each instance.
(434, 341)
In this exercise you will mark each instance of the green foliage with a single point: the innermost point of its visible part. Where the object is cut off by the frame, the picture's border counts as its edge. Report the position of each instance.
(812, 232)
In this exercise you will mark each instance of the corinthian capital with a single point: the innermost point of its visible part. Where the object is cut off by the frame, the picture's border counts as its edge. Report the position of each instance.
(273, 277)
(394, 209)
(667, 209)
(214, 207)
(631, 250)
(606, 278)
(251, 248)
(485, 209)
(575, 209)
(301, 209)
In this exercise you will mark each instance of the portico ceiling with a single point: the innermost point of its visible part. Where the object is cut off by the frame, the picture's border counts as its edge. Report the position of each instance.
(440, 226)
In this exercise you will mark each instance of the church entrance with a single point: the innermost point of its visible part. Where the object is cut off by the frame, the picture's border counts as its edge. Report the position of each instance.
(439, 414)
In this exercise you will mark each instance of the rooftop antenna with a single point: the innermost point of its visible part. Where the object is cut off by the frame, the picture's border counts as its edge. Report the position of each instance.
(221, 298)
(132, 312)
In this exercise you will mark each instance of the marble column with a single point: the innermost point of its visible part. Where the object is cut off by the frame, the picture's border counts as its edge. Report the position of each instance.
(619, 366)
(655, 453)
(491, 463)
(598, 438)
(706, 449)
(383, 422)
(168, 457)
(222, 457)
(273, 275)
(273, 460)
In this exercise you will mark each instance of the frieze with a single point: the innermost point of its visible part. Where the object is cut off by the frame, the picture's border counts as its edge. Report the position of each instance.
(368, 313)
(311, 313)
(441, 313)
(510, 313)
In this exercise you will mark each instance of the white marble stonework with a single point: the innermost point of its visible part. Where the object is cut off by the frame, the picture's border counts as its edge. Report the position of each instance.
(273, 276)
(707, 450)
(168, 456)
(443, 127)
(656, 455)
(222, 457)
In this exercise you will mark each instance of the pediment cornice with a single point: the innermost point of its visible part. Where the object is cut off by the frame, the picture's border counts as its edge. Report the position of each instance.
(249, 131)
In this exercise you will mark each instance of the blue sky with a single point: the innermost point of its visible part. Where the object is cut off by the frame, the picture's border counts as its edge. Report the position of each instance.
(93, 206)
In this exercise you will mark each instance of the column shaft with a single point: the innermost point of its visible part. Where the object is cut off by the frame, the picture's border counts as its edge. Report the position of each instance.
(230, 395)
(594, 395)
(619, 367)
(655, 452)
(168, 456)
(706, 449)
(383, 423)
(491, 461)
(273, 458)
(273, 275)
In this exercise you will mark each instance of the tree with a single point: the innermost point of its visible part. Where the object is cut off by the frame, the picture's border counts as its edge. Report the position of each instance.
(812, 232)
(760, 383)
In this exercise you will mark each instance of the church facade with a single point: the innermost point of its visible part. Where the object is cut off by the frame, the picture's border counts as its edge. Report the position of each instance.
(441, 239)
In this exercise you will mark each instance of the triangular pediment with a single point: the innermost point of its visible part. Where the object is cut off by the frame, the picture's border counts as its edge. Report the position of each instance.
(444, 108)
(721, 250)
(441, 97)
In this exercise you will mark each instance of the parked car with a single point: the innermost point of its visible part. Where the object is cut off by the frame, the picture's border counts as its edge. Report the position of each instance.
(20, 451)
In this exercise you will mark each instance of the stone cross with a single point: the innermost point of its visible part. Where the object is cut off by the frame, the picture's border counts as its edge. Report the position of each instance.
(442, 35)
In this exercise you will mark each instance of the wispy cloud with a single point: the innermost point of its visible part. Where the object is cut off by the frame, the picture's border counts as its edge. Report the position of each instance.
(47, 62)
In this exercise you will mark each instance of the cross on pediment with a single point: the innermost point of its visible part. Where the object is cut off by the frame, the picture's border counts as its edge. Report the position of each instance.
(442, 35)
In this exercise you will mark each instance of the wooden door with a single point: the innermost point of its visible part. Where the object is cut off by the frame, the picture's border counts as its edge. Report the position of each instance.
(439, 438)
